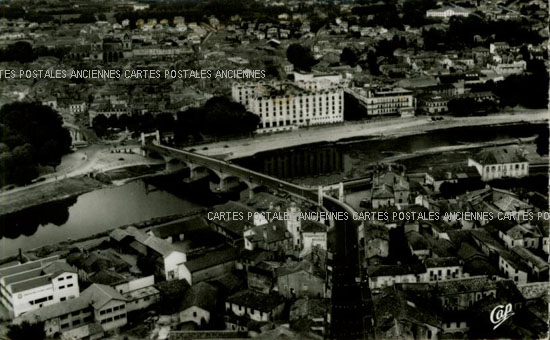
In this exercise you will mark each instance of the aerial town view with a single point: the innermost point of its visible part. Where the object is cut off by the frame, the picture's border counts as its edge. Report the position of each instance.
(274, 169)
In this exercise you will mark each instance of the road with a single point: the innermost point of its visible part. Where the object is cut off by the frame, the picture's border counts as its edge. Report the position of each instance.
(379, 128)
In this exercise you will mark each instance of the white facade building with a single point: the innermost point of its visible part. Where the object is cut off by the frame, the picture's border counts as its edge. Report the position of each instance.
(500, 163)
(386, 101)
(447, 12)
(35, 284)
(286, 106)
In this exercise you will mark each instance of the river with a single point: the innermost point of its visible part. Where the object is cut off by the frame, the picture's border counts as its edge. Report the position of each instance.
(88, 214)
(107, 208)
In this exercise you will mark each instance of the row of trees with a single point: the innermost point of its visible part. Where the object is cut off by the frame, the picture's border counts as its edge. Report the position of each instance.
(219, 117)
(24, 52)
(30, 134)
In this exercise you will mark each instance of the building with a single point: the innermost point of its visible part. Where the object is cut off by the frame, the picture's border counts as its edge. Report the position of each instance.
(463, 175)
(539, 267)
(523, 235)
(313, 234)
(389, 189)
(198, 303)
(388, 275)
(447, 12)
(513, 267)
(506, 69)
(434, 105)
(500, 162)
(284, 106)
(443, 268)
(301, 280)
(208, 266)
(36, 284)
(249, 305)
(166, 255)
(272, 236)
(385, 101)
(98, 309)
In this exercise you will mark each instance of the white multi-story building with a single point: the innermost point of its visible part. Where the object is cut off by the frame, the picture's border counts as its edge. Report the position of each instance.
(447, 12)
(288, 105)
(35, 284)
(386, 101)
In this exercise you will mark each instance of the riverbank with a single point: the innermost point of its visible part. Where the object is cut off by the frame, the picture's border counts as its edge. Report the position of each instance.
(11, 202)
(376, 129)
(49, 192)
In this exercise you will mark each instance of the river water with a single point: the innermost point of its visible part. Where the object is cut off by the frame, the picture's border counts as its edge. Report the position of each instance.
(108, 208)
(88, 214)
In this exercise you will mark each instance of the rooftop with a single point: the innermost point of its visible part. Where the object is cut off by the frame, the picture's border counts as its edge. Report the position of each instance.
(255, 300)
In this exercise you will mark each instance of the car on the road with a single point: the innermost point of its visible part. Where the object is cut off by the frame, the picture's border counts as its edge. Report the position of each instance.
(226, 146)
(205, 148)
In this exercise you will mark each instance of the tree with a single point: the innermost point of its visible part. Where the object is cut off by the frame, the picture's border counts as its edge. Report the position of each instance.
(300, 56)
(26, 330)
(349, 57)
(34, 134)
(100, 125)
(542, 142)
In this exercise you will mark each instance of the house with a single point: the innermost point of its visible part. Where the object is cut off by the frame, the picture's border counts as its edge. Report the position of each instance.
(500, 162)
(139, 293)
(376, 241)
(301, 280)
(198, 303)
(313, 234)
(261, 277)
(418, 244)
(388, 275)
(461, 294)
(525, 235)
(443, 268)
(272, 236)
(435, 177)
(167, 256)
(36, 284)
(233, 229)
(249, 305)
(389, 189)
(513, 267)
(399, 315)
(208, 266)
(539, 267)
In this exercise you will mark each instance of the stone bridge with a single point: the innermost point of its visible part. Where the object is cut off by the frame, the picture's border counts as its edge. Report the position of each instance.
(349, 307)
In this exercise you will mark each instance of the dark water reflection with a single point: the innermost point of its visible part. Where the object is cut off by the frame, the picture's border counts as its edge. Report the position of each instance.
(325, 162)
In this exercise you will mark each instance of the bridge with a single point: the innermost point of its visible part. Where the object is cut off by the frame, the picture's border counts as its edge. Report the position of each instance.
(348, 312)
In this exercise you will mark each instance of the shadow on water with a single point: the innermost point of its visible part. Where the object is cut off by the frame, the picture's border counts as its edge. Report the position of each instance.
(27, 221)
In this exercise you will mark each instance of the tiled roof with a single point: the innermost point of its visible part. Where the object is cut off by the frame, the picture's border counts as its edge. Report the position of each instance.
(255, 300)
(55, 310)
(98, 295)
(269, 233)
(202, 295)
(442, 262)
(179, 227)
(211, 259)
(503, 155)
(529, 257)
(395, 270)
